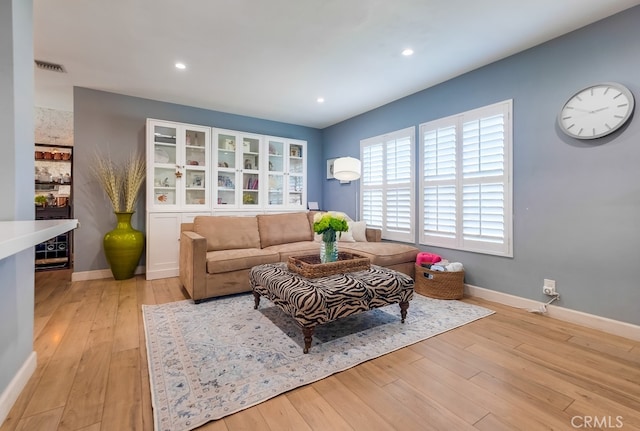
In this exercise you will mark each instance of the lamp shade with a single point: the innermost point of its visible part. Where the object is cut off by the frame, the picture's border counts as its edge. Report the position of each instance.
(346, 169)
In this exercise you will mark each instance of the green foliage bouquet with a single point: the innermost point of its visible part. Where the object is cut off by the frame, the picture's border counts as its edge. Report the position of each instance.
(328, 224)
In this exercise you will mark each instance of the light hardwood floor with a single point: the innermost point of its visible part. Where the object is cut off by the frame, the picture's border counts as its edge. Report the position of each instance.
(510, 371)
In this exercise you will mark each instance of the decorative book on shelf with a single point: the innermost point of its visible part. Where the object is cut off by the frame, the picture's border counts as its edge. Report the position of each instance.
(252, 184)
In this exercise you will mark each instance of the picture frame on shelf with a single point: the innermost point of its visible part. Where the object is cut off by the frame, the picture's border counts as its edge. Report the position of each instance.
(330, 163)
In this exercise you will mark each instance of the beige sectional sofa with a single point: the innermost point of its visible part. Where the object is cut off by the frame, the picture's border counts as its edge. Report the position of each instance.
(217, 252)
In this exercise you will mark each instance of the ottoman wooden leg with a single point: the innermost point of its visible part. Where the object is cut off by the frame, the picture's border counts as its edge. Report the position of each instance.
(256, 298)
(308, 333)
(403, 310)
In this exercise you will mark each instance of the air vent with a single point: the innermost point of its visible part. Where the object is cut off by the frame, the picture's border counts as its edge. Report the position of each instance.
(51, 67)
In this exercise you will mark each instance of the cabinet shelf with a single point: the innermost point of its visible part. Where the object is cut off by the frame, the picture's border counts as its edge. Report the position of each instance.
(52, 183)
(54, 160)
(165, 141)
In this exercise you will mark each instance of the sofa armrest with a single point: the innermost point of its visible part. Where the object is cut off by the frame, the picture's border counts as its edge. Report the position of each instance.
(193, 264)
(373, 235)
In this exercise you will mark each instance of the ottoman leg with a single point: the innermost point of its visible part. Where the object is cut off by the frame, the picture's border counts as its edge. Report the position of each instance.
(308, 333)
(403, 310)
(256, 298)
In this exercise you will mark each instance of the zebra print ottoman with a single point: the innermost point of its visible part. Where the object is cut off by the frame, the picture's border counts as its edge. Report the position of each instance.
(315, 301)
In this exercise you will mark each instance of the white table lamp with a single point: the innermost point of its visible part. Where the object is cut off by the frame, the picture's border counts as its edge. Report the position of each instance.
(346, 169)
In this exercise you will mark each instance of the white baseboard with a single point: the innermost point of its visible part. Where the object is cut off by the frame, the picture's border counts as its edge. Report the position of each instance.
(165, 273)
(17, 384)
(98, 274)
(605, 324)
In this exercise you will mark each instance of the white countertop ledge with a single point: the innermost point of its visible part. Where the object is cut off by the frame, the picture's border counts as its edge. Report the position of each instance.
(16, 236)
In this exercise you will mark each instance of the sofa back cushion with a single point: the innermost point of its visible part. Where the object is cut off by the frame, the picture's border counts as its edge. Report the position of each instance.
(228, 232)
(283, 228)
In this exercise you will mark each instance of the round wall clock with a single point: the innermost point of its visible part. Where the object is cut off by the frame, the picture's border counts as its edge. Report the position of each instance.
(596, 111)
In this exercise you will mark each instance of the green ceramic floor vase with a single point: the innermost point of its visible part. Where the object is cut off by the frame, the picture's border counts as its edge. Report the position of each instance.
(123, 247)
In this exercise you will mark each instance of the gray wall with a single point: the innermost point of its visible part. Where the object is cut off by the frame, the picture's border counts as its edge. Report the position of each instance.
(576, 204)
(16, 175)
(114, 123)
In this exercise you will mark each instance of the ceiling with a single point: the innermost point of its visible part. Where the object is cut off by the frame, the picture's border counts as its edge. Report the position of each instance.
(273, 59)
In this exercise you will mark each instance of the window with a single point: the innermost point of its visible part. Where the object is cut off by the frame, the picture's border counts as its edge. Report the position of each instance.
(465, 185)
(387, 184)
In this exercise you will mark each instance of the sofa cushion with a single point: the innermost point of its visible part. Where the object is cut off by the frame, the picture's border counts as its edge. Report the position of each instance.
(228, 232)
(358, 230)
(283, 228)
(345, 236)
(382, 253)
(234, 260)
(301, 248)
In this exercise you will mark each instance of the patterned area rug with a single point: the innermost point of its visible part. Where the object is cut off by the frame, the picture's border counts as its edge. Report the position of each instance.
(216, 358)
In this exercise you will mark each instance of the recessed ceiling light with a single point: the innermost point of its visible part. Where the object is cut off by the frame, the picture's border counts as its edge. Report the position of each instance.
(181, 66)
(407, 52)
(320, 99)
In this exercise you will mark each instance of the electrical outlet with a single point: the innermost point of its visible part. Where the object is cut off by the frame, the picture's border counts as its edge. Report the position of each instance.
(549, 287)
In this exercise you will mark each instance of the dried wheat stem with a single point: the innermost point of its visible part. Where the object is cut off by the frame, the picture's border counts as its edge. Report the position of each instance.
(121, 184)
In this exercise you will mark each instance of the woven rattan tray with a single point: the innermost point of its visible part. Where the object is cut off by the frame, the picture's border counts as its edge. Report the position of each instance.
(310, 267)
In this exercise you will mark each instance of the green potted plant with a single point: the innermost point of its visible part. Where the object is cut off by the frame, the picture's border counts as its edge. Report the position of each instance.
(41, 200)
(327, 225)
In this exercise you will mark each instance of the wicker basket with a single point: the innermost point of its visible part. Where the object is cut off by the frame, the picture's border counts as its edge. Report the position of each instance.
(439, 284)
(310, 266)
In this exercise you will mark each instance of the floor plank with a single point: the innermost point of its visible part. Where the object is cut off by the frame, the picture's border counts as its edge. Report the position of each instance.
(54, 386)
(315, 410)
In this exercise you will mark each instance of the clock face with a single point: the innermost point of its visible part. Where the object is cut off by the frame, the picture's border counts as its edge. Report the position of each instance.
(596, 111)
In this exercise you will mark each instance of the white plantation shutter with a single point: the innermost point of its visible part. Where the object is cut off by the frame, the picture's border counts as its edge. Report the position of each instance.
(466, 181)
(439, 210)
(371, 184)
(387, 184)
(439, 185)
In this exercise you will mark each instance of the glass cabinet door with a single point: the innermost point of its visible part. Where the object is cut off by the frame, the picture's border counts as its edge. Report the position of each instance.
(225, 147)
(276, 169)
(195, 168)
(250, 155)
(177, 166)
(296, 186)
(164, 166)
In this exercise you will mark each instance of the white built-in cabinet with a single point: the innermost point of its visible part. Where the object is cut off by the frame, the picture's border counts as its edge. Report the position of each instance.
(163, 242)
(258, 172)
(197, 170)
